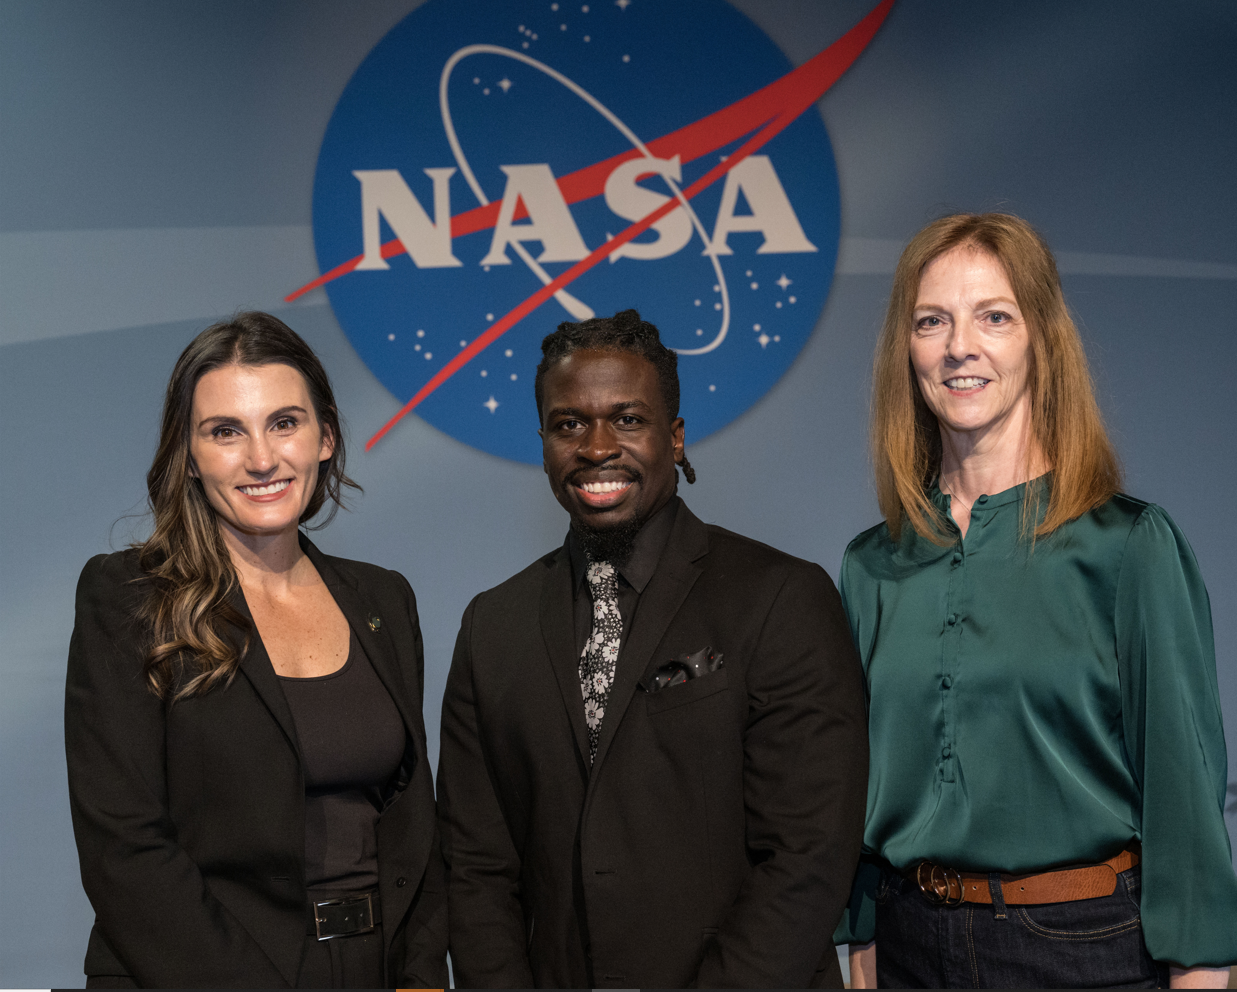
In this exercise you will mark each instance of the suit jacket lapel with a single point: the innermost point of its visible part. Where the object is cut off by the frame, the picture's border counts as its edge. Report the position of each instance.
(558, 631)
(659, 603)
(257, 668)
(375, 643)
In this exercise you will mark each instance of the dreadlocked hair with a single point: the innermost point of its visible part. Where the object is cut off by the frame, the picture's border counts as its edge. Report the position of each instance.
(625, 331)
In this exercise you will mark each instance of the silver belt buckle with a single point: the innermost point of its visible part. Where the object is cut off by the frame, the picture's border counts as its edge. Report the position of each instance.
(367, 901)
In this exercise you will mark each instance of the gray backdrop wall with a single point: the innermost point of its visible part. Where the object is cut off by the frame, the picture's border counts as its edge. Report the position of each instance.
(156, 167)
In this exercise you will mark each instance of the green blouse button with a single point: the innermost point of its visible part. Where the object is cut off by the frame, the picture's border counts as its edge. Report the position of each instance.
(952, 619)
(946, 682)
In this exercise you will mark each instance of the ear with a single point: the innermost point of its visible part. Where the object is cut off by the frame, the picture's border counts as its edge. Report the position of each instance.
(326, 446)
(676, 433)
(544, 467)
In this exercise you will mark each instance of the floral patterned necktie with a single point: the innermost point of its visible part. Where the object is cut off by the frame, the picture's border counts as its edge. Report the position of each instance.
(601, 650)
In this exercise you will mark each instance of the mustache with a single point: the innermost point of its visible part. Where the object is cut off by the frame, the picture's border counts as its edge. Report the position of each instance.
(576, 475)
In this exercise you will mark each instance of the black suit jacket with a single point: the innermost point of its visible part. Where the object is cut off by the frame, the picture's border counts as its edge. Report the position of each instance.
(190, 819)
(715, 839)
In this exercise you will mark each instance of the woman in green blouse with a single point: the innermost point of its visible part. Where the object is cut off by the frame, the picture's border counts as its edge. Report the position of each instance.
(1048, 763)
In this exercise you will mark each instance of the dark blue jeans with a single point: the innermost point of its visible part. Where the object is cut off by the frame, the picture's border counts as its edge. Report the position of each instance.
(1091, 943)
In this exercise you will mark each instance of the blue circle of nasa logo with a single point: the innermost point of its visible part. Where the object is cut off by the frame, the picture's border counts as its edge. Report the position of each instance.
(495, 167)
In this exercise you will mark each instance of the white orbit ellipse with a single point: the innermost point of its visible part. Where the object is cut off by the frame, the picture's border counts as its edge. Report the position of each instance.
(571, 304)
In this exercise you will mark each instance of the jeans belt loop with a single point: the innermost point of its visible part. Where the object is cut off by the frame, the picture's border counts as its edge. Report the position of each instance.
(998, 897)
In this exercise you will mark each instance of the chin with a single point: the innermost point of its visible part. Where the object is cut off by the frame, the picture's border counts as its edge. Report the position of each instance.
(603, 521)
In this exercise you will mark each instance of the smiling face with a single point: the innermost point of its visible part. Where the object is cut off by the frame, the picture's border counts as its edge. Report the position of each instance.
(609, 446)
(970, 348)
(255, 444)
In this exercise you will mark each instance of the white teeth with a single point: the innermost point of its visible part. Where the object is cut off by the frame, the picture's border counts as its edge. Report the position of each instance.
(604, 487)
(274, 487)
(966, 382)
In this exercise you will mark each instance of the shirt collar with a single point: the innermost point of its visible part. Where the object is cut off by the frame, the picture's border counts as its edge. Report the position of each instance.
(987, 501)
(646, 553)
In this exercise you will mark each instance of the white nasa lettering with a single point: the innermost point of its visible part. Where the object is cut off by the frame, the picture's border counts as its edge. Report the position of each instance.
(631, 201)
(550, 220)
(771, 213)
(383, 191)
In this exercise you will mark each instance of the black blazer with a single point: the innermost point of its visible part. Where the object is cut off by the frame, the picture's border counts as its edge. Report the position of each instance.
(715, 840)
(190, 819)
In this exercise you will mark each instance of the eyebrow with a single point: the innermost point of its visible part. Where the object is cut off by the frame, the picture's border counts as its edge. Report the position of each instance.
(283, 411)
(978, 306)
(619, 407)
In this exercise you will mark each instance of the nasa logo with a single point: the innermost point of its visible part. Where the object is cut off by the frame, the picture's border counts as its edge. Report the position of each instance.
(494, 168)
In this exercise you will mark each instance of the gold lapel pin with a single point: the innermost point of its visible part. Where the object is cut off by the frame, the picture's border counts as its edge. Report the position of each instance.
(375, 623)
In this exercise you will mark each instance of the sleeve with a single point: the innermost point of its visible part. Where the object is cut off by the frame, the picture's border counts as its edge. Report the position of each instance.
(858, 923)
(153, 908)
(486, 920)
(804, 784)
(1175, 742)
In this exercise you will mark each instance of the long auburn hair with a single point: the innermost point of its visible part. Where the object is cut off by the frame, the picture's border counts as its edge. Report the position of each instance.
(188, 569)
(1065, 418)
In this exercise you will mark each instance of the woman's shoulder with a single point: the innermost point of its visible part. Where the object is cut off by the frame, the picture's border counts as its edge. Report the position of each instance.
(873, 556)
(120, 570)
(374, 579)
(874, 539)
(1124, 516)
(110, 595)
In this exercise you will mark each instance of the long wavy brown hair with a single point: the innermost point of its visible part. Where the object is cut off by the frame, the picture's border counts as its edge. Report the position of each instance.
(906, 438)
(198, 636)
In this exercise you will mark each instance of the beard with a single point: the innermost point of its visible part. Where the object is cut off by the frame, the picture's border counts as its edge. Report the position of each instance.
(613, 544)
(610, 542)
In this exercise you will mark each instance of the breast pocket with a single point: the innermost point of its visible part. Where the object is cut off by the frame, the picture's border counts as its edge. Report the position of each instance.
(689, 691)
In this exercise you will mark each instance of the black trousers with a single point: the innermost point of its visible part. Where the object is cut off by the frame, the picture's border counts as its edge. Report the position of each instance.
(343, 962)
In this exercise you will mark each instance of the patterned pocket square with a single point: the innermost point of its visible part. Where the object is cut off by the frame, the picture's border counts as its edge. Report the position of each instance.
(688, 666)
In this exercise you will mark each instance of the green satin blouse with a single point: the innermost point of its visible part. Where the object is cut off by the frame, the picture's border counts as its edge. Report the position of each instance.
(1038, 707)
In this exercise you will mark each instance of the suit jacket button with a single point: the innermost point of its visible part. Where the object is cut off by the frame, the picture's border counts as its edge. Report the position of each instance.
(401, 882)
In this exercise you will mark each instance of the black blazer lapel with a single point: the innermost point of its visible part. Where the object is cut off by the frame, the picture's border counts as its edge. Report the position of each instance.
(558, 631)
(659, 603)
(257, 668)
(375, 642)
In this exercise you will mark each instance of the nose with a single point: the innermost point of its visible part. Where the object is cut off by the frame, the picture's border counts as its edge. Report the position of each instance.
(600, 443)
(963, 342)
(260, 455)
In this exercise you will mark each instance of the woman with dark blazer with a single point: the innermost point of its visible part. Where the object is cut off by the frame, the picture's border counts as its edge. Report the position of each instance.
(248, 779)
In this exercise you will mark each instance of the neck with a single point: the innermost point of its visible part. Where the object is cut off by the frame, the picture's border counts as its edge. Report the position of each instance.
(1004, 456)
(264, 560)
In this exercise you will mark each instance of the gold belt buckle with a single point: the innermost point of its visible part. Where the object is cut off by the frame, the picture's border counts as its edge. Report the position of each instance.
(936, 889)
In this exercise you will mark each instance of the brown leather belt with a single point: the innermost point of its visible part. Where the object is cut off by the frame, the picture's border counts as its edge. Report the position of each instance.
(950, 887)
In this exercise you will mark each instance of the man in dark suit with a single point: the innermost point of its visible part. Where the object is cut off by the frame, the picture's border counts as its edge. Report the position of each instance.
(654, 746)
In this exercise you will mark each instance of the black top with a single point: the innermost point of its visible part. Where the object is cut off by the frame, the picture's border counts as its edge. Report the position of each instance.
(352, 741)
(646, 552)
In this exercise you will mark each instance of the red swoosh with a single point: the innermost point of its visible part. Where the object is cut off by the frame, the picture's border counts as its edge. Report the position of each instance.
(774, 106)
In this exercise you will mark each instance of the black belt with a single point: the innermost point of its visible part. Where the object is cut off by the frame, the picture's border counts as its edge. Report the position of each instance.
(360, 912)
